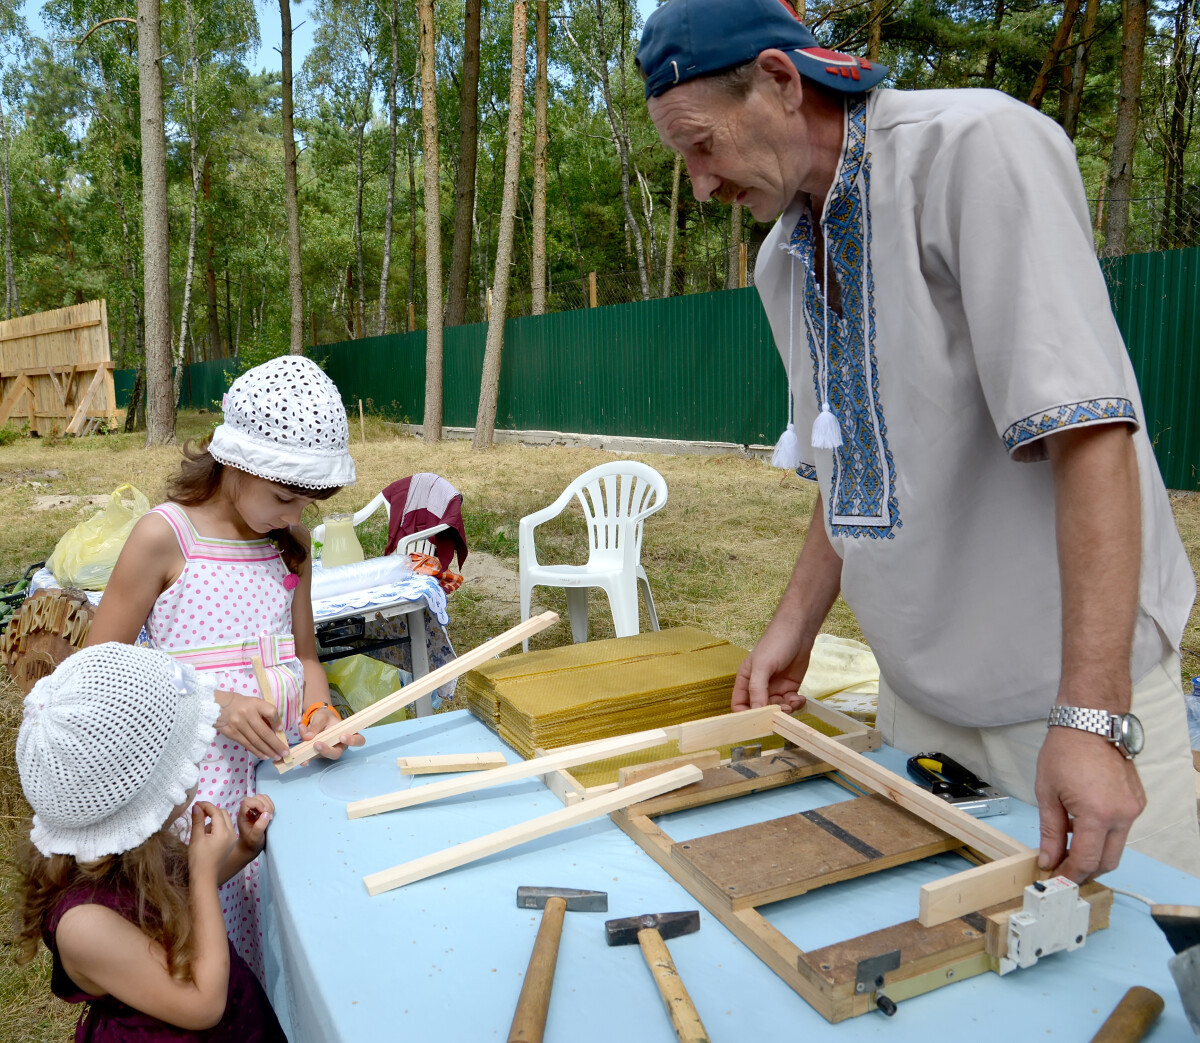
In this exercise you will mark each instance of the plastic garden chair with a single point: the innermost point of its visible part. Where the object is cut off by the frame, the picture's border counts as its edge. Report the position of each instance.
(616, 498)
(416, 543)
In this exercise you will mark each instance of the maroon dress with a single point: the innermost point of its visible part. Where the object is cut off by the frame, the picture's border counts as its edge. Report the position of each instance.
(248, 1015)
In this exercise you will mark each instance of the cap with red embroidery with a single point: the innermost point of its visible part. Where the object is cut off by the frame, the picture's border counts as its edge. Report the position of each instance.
(686, 39)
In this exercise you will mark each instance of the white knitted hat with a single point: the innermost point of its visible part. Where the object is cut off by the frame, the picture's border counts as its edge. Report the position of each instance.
(110, 744)
(284, 421)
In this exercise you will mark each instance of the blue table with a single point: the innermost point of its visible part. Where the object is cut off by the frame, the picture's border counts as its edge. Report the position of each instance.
(443, 959)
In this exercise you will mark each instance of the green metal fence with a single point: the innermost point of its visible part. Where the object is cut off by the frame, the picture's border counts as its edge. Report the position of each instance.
(703, 367)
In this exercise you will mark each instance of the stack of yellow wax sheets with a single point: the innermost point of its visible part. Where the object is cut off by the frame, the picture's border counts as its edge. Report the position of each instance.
(560, 696)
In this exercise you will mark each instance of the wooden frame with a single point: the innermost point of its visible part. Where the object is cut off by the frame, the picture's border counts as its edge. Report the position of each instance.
(957, 934)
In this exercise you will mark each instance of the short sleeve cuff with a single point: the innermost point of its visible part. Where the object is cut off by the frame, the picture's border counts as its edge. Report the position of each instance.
(1024, 438)
(807, 472)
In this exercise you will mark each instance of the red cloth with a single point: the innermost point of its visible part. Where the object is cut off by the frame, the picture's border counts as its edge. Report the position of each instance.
(406, 517)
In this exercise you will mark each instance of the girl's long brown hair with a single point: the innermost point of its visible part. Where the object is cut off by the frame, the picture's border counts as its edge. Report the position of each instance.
(153, 876)
(199, 478)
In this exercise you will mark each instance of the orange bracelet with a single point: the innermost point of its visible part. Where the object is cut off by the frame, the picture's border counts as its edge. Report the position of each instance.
(307, 716)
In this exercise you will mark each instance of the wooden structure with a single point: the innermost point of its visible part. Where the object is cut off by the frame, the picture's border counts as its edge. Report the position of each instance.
(48, 627)
(56, 371)
(962, 927)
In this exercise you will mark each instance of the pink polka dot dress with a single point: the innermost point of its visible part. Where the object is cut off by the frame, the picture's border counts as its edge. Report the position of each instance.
(230, 603)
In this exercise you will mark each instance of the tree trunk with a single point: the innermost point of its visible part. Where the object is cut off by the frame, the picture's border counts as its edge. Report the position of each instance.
(735, 246)
(389, 206)
(216, 349)
(433, 226)
(1120, 168)
(668, 274)
(489, 388)
(291, 197)
(1178, 129)
(1062, 37)
(458, 285)
(540, 135)
(12, 299)
(360, 279)
(875, 29)
(194, 163)
(156, 245)
(993, 58)
(1074, 101)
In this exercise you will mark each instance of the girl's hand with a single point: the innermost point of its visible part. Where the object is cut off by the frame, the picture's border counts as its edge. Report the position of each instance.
(321, 720)
(252, 722)
(254, 815)
(212, 841)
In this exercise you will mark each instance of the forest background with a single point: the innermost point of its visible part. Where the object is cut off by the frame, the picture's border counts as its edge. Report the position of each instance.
(376, 257)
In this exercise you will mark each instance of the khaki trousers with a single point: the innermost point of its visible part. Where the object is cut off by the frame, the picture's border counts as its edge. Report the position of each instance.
(1006, 756)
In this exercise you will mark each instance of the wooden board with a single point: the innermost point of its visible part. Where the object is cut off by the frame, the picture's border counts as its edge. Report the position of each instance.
(784, 857)
(440, 763)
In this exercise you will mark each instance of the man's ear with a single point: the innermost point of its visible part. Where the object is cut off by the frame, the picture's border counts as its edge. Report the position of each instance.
(777, 69)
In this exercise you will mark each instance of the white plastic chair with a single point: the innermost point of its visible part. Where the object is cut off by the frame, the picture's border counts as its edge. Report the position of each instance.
(616, 498)
(417, 543)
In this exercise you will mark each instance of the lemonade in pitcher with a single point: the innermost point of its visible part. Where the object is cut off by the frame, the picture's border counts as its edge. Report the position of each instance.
(341, 546)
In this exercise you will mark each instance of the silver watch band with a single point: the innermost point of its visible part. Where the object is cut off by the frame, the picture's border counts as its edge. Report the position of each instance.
(1087, 719)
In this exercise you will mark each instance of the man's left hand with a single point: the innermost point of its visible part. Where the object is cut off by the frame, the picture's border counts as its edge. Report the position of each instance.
(1087, 788)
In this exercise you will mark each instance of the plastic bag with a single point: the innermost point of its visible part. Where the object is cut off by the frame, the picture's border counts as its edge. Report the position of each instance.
(85, 556)
(361, 681)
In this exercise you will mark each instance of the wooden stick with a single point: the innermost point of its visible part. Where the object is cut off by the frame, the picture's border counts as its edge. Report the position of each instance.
(264, 688)
(502, 840)
(984, 838)
(583, 753)
(302, 751)
(446, 762)
(684, 1017)
(362, 426)
(978, 887)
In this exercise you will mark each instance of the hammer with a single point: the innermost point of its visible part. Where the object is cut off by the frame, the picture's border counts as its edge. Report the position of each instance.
(649, 932)
(529, 1021)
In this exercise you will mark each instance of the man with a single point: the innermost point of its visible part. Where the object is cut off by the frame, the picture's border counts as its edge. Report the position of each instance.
(989, 503)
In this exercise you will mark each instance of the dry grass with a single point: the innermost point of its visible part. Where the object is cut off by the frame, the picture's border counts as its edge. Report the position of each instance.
(718, 556)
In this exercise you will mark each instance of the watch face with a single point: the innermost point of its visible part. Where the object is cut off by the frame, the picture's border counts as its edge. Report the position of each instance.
(1132, 735)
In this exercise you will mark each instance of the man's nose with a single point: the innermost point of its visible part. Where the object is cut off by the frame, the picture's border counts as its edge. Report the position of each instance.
(703, 183)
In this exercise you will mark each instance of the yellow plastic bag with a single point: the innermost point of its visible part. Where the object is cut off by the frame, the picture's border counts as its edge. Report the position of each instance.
(85, 556)
(361, 681)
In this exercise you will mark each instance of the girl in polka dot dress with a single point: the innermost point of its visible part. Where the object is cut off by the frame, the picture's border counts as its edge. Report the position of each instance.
(220, 577)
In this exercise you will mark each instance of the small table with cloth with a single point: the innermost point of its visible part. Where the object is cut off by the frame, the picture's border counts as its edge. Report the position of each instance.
(444, 958)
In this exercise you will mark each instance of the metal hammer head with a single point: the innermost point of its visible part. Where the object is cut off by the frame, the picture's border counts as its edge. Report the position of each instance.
(577, 901)
(668, 925)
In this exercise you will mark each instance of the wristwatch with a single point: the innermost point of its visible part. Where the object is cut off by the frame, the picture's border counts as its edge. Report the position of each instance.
(1123, 730)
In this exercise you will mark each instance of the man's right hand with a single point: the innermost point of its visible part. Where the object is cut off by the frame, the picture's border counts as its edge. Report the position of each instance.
(772, 672)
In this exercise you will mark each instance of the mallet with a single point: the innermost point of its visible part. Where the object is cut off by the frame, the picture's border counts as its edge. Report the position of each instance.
(650, 932)
(529, 1021)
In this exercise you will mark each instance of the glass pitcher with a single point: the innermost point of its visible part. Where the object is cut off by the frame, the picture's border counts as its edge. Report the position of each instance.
(341, 546)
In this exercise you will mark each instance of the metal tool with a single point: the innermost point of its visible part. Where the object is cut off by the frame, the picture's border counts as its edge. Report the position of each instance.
(650, 932)
(529, 1021)
(948, 779)
(1131, 1018)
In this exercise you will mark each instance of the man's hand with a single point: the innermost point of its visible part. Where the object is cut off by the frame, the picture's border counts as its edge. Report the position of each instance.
(1087, 788)
(773, 671)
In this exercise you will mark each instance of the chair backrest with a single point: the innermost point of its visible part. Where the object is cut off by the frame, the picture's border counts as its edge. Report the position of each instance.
(616, 498)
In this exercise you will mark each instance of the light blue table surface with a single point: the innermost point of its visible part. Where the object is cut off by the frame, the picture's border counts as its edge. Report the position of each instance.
(443, 959)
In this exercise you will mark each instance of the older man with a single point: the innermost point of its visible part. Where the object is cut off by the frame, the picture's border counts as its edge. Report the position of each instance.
(989, 504)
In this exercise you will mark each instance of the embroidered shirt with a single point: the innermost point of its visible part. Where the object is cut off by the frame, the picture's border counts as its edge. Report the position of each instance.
(974, 321)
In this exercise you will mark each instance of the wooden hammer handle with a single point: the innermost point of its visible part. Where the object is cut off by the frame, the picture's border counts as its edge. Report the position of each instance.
(1131, 1018)
(529, 1021)
(686, 1021)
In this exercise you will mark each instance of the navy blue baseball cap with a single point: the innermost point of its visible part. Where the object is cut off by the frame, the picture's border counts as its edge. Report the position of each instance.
(686, 39)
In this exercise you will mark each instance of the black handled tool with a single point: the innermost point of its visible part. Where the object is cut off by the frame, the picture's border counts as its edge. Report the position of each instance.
(948, 779)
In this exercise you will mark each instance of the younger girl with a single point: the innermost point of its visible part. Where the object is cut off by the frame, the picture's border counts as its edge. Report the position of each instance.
(220, 576)
(108, 753)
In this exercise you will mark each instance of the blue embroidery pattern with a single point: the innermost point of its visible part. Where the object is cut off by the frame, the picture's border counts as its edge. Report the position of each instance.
(807, 472)
(862, 501)
(1070, 415)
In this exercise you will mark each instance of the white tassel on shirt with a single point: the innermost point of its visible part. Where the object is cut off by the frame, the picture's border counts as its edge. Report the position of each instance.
(826, 432)
(787, 450)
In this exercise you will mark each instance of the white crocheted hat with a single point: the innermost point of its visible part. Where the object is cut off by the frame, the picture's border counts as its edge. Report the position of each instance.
(284, 421)
(110, 744)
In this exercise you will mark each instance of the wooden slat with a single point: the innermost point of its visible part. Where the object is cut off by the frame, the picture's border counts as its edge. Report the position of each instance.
(302, 751)
(81, 409)
(977, 887)
(723, 730)
(580, 754)
(703, 760)
(20, 387)
(986, 839)
(440, 763)
(502, 840)
(42, 371)
(49, 329)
